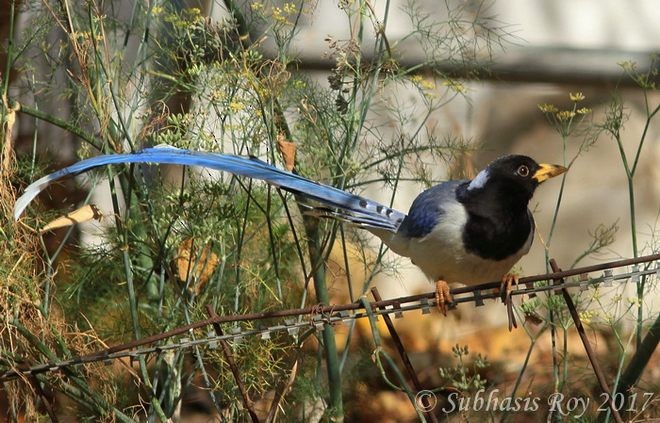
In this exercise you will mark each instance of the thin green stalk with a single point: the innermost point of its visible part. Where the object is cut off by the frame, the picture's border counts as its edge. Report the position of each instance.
(555, 365)
(551, 315)
(379, 352)
(63, 124)
(239, 247)
(649, 117)
(631, 193)
(349, 338)
(10, 51)
(641, 358)
(132, 298)
(273, 250)
(344, 248)
(619, 369)
(108, 80)
(516, 385)
(555, 214)
(631, 175)
(329, 343)
(633, 232)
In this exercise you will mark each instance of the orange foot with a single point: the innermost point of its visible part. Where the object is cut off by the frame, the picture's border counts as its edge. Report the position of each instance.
(442, 296)
(505, 292)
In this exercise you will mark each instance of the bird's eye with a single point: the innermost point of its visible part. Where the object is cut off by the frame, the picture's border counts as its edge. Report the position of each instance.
(523, 171)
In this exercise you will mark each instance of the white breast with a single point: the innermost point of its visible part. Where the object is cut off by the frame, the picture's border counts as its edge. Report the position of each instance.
(440, 254)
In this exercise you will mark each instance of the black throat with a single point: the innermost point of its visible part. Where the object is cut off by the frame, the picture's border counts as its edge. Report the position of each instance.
(498, 222)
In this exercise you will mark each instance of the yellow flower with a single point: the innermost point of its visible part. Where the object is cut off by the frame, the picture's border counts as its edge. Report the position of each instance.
(548, 108)
(583, 111)
(299, 85)
(587, 316)
(236, 106)
(455, 86)
(278, 16)
(427, 84)
(578, 96)
(628, 65)
(290, 8)
(565, 115)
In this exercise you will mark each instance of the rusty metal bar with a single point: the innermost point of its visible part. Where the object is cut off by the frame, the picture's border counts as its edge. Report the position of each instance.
(44, 398)
(334, 313)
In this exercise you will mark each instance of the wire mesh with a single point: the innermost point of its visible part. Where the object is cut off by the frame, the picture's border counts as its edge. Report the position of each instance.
(183, 337)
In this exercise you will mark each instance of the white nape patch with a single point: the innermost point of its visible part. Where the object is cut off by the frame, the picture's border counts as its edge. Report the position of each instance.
(480, 180)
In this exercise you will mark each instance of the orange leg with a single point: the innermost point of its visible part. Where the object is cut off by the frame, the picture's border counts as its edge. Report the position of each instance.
(508, 281)
(505, 292)
(442, 295)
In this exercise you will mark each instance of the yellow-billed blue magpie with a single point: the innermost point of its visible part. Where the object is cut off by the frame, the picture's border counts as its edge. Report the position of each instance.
(462, 231)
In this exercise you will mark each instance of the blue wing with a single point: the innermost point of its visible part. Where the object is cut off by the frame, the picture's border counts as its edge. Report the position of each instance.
(425, 211)
(337, 203)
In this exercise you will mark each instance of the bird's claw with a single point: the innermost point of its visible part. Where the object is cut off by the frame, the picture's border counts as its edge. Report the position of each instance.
(442, 296)
(506, 289)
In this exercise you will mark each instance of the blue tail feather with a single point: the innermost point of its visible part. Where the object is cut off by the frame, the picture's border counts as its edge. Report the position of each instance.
(338, 203)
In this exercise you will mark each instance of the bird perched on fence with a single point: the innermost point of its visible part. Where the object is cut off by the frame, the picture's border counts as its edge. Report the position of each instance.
(462, 231)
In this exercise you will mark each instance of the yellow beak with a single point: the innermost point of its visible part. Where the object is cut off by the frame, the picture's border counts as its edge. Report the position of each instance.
(548, 171)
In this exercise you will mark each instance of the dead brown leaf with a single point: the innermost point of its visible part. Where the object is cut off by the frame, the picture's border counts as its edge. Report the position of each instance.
(288, 151)
(199, 266)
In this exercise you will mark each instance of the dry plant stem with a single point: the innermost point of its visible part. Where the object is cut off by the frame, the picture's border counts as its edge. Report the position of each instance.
(284, 387)
(81, 392)
(226, 350)
(404, 357)
(587, 346)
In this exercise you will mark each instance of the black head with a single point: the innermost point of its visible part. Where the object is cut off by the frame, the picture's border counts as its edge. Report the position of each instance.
(512, 178)
(496, 200)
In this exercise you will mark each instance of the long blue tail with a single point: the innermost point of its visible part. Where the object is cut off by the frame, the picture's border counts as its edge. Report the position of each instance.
(335, 202)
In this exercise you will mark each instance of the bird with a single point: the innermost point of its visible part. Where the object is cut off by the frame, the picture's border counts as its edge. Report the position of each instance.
(458, 231)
